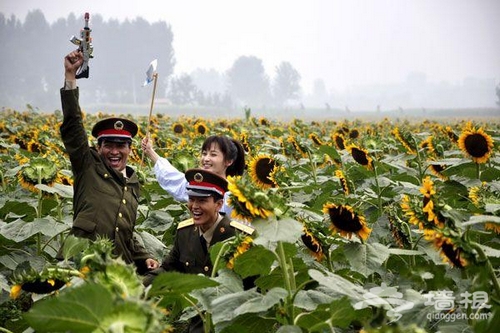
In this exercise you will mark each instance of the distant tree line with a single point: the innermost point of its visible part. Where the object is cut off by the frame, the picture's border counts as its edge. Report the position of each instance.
(244, 84)
(31, 57)
(31, 66)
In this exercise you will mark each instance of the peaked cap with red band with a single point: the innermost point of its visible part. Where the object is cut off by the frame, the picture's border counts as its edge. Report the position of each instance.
(115, 129)
(204, 183)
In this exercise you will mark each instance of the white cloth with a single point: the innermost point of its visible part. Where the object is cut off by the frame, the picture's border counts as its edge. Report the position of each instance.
(174, 182)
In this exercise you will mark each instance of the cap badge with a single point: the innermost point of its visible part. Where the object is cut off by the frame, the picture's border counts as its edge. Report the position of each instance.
(198, 177)
(118, 125)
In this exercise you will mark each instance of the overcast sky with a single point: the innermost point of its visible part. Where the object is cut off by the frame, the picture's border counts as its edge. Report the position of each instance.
(345, 43)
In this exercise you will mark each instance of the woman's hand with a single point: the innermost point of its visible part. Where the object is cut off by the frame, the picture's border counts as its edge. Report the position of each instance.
(147, 147)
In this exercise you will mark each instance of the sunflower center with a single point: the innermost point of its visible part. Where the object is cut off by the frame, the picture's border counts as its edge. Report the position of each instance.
(178, 128)
(339, 141)
(360, 156)
(263, 170)
(202, 129)
(311, 243)
(476, 145)
(452, 254)
(345, 220)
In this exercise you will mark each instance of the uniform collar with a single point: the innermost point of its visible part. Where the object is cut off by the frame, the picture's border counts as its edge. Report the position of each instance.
(209, 234)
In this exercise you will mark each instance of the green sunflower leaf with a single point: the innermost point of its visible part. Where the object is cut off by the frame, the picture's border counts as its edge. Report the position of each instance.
(338, 313)
(366, 258)
(256, 261)
(77, 310)
(175, 284)
(19, 230)
(272, 231)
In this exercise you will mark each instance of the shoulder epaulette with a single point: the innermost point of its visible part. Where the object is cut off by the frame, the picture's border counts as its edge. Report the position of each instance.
(242, 227)
(185, 223)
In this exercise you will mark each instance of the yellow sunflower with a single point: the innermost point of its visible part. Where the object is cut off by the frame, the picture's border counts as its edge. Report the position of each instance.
(354, 134)
(404, 141)
(428, 204)
(437, 169)
(263, 121)
(450, 252)
(313, 245)
(428, 145)
(247, 202)
(34, 146)
(201, 128)
(476, 144)
(495, 227)
(339, 140)
(409, 211)
(297, 146)
(242, 247)
(37, 171)
(343, 181)
(427, 188)
(261, 169)
(41, 286)
(400, 237)
(346, 221)
(451, 134)
(361, 156)
(178, 128)
(475, 195)
(315, 139)
(15, 291)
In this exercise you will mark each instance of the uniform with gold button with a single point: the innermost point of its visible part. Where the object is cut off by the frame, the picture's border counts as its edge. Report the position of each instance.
(190, 252)
(105, 200)
(187, 254)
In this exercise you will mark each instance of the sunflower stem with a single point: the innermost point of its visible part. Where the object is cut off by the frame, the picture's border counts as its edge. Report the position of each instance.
(4, 184)
(489, 267)
(419, 160)
(59, 208)
(286, 276)
(328, 260)
(39, 211)
(313, 167)
(207, 323)
(478, 173)
(379, 192)
(410, 239)
(217, 259)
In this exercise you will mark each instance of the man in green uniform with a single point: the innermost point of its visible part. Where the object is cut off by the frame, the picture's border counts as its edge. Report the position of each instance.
(106, 190)
(206, 227)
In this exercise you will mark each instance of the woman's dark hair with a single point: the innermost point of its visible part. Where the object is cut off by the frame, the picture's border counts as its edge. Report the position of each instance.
(232, 150)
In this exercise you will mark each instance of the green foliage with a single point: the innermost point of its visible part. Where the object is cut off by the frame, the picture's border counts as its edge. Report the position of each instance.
(435, 240)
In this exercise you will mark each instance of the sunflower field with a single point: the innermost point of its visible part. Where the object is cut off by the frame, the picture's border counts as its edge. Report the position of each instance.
(387, 225)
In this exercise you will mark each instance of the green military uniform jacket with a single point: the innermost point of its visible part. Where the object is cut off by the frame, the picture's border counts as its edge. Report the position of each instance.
(104, 201)
(187, 254)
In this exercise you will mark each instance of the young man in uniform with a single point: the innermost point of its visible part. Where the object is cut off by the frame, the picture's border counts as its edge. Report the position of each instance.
(206, 227)
(106, 190)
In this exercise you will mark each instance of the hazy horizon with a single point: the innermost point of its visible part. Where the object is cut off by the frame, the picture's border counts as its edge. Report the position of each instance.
(350, 45)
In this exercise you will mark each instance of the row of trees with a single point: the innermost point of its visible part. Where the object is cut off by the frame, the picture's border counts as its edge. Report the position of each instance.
(245, 83)
(31, 66)
(31, 59)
